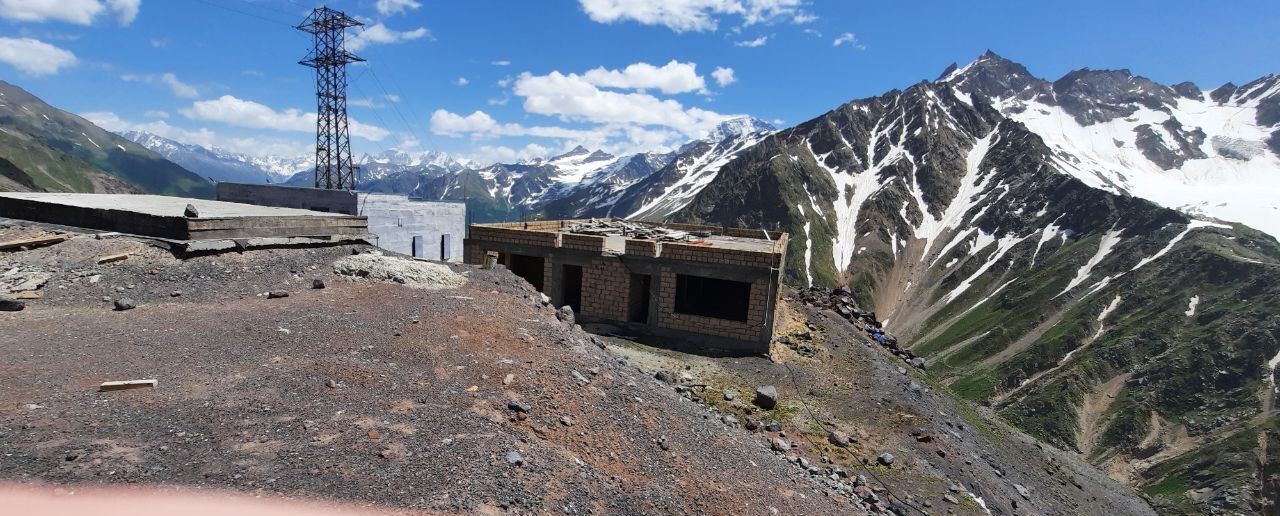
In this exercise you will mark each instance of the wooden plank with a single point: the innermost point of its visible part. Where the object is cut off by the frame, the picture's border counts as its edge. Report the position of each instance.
(125, 385)
(113, 258)
(26, 294)
(34, 242)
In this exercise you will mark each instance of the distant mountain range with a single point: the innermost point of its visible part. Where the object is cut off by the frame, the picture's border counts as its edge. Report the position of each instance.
(45, 149)
(578, 183)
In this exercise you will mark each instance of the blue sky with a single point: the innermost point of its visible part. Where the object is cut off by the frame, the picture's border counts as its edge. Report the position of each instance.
(503, 80)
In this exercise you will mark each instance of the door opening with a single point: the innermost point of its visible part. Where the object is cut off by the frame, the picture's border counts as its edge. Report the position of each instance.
(529, 268)
(571, 287)
(638, 305)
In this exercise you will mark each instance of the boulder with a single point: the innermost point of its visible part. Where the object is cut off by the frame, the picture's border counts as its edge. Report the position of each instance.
(565, 313)
(766, 397)
(317, 283)
(276, 294)
(838, 438)
(885, 459)
(191, 212)
(779, 444)
(125, 303)
(8, 304)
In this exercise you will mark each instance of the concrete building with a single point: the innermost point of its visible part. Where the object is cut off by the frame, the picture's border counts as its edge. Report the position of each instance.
(422, 229)
(165, 217)
(716, 288)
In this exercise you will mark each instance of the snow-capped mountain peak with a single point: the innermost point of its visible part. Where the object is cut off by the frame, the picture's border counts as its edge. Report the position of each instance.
(739, 126)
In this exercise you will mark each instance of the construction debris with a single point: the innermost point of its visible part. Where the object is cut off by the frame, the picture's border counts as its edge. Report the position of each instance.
(33, 242)
(125, 385)
(620, 228)
(406, 271)
(113, 258)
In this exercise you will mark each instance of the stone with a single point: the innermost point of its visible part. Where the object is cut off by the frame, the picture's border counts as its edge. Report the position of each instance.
(330, 383)
(950, 499)
(506, 380)
(176, 293)
(191, 212)
(779, 444)
(125, 303)
(317, 283)
(1022, 491)
(276, 294)
(518, 407)
(664, 376)
(915, 387)
(838, 438)
(730, 395)
(565, 313)
(752, 424)
(8, 304)
(885, 459)
(773, 426)
(919, 362)
(766, 397)
(566, 420)
(579, 377)
(514, 458)
(729, 420)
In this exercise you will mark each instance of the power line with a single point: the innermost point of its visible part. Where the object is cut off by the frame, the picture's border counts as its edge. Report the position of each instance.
(245, 13)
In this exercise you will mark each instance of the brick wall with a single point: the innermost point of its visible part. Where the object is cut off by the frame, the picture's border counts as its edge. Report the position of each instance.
(606, 285)
(694, 253)
(515, 236)
(751, 330)
(646, 248)
(582, 242)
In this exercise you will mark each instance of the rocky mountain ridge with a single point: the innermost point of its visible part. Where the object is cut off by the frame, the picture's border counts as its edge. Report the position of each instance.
(45, 149)
(1029, 269)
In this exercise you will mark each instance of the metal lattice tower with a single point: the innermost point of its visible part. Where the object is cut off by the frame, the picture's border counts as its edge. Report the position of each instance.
(334, 167)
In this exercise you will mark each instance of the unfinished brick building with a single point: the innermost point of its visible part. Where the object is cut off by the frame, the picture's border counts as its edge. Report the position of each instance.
(716, 288)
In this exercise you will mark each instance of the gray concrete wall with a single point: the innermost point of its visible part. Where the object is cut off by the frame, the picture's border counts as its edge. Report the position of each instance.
(395, 220)
(316, 199)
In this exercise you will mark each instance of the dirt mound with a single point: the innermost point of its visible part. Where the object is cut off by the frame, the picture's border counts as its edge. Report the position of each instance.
(408, 272)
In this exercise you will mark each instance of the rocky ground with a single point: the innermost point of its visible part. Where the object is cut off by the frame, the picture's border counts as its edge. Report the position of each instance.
(475, 398)
(472, 399)
(835, 383)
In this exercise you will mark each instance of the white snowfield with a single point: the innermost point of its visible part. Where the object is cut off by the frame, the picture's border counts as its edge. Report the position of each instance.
(1238, 181)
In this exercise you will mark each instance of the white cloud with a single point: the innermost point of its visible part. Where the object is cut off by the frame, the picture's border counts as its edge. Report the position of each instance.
(673, 77)
(848, 39)
(391, 97)
(571, 97)
(79, 12)
(379, 34)
(233, 111)
(34, 57)
(156, 114)
(752, 43)
(723, 76)
(462, 81)
(180, 89)
(254, 146)
(365, 103)
(695, 15)
(480, 124)
(501, 62)
(159, 42)
(390, 7)
(126, 10)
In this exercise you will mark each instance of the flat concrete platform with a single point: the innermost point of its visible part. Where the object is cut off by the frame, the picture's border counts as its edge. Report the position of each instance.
(163, 217)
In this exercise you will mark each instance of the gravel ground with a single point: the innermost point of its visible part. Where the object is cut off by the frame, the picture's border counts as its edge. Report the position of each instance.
(948, 455)
(364, 392)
